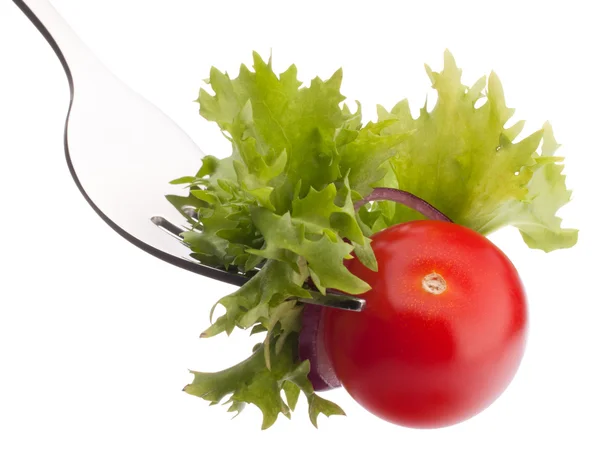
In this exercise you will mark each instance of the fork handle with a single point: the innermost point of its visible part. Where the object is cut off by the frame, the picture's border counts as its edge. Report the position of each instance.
(73, 54)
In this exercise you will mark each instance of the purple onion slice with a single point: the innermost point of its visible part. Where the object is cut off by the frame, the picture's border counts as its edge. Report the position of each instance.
(311, 346)
(311, 343)
(405, 198)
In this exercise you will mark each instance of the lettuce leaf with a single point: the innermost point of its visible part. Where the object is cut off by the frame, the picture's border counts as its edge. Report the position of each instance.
(251, 382)
(465, 161)
(281, 206)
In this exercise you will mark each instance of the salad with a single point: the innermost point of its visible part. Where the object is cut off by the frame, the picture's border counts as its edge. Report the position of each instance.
(395, 211)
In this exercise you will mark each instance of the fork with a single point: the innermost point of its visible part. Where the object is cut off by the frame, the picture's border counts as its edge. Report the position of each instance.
(122, 153)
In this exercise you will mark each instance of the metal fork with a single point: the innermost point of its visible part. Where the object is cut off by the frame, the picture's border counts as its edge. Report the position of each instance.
(122, 153)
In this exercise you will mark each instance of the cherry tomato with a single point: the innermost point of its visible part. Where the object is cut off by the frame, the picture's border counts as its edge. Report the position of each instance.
(444, 329)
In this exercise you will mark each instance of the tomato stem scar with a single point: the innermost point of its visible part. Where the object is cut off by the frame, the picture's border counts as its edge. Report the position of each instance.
(434, 283)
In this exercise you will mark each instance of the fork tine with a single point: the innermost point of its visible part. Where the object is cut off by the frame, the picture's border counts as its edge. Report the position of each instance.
(190, 213)
(169, 227)
(339, 301)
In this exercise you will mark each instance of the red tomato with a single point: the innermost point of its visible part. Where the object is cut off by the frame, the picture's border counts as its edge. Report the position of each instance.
(443, 332)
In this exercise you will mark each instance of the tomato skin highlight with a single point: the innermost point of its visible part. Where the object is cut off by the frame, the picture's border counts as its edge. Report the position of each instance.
(428, 356)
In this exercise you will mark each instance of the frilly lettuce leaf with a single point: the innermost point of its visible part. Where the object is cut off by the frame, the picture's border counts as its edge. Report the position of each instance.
(281, 206)
(251, 382)
(465, 161)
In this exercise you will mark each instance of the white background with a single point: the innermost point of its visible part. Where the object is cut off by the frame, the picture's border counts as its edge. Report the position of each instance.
(96, 336)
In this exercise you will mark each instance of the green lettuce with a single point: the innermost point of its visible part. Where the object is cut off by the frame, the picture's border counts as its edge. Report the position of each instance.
(281, 206)
(468, 164)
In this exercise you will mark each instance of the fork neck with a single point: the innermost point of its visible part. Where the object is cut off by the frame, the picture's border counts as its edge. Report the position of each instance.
(73, 54)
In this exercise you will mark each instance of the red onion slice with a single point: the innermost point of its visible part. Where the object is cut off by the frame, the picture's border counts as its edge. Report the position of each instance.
(311, 342)
(405, 198)
(311, 346)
